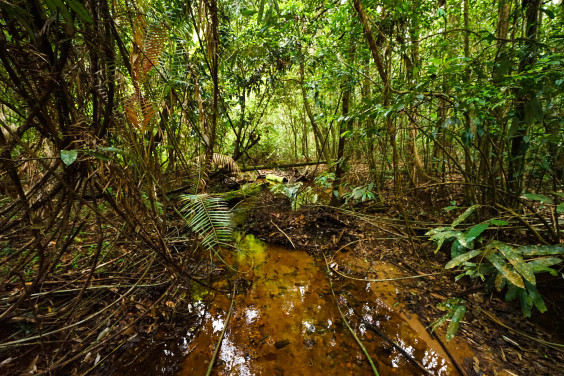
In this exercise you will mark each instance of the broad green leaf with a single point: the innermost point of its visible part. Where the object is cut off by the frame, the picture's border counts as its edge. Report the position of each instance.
(475, 231)
(69, 156)
(536, 297)
(515, 259)
(526, 302)
(457, 248)
(457, 317)
(441, 234)
(538, 197)
(543, 265)
(248, 12)
(462, 258)
(541, 250)
(512, 293)
(465, 215)
(499, 282)
(505, 269)
(560, 208)
(498, 222)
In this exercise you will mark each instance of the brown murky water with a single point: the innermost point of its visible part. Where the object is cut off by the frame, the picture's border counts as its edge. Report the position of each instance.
(287, 323)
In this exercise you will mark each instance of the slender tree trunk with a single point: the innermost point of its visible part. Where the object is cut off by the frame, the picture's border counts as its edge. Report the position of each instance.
(321, 151)
(213, 46)
(526, 101)
(343, 127)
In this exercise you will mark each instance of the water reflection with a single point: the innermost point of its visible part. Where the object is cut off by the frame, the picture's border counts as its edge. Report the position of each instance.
(286, 323)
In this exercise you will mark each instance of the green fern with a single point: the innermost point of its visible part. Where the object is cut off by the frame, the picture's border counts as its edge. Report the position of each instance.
(208, 217)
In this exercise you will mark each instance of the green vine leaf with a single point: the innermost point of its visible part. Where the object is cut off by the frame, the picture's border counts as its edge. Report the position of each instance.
(69, 156)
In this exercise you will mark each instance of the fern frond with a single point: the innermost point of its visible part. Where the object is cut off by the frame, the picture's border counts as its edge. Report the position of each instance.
(208, 217)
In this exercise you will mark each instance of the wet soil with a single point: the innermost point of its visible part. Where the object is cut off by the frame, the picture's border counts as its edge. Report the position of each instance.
(285, 320)
(494, 338)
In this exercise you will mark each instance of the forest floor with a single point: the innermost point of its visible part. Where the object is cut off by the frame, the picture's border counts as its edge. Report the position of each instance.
(500, 341)
(493, 339)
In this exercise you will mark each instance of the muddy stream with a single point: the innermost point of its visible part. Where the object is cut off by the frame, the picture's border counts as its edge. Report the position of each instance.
(287, 323)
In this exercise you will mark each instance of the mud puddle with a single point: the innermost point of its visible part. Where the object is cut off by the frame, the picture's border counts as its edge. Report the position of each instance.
(287, 323)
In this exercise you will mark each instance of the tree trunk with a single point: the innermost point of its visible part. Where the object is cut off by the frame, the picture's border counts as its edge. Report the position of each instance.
(321, 151)
(526, 102)
(213, 46)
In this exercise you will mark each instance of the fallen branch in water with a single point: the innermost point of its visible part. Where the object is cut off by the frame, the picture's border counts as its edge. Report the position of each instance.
(390, 341)
(347, 323)
(218, 346)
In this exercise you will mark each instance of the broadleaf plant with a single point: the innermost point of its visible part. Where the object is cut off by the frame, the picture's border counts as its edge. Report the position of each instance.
(500, 264)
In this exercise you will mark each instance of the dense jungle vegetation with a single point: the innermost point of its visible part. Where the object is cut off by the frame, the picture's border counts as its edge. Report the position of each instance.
(130, 127)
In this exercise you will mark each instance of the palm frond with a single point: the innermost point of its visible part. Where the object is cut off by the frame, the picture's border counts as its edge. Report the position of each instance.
(221, 161)
(208, 217)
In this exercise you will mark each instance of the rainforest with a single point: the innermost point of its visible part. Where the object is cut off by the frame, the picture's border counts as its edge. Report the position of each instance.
(282, 187)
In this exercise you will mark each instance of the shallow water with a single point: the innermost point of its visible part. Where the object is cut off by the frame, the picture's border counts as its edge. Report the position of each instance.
(287, 323)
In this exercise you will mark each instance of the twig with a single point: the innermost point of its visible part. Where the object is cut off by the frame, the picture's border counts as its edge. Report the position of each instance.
(450, 356)
(552, 345)
(283, 233)
(389, 340)
(346, 322)
(217, 347)
(386, 279)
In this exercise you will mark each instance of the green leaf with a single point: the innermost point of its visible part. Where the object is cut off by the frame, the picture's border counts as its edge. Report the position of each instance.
(95, 154)
(64, 10)
(80, 10)
(475, 231)
(505, 269)
(560, 208)
(443, 319)
(439, 235)
(516, 260)
(536, 297)
(498, 222)
(248, 12)
(457, 317)
(543, 265)
(541, 250)
(499, 282)
(526, 302)
(69, 156)
(548, 12)
(538, 197)
(465, 215)
(462, 258)
(111, 149)
(208, 217)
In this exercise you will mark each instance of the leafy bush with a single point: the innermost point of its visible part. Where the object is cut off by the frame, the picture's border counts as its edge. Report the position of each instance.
(297, 193)
(499, 264)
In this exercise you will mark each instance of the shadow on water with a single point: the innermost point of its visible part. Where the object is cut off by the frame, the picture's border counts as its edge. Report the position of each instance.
(287, 323)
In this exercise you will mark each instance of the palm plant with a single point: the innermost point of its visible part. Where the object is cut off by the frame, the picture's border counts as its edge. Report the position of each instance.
(208, 217)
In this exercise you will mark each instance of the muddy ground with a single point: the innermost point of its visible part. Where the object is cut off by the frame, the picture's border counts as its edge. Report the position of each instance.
(498, 338)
